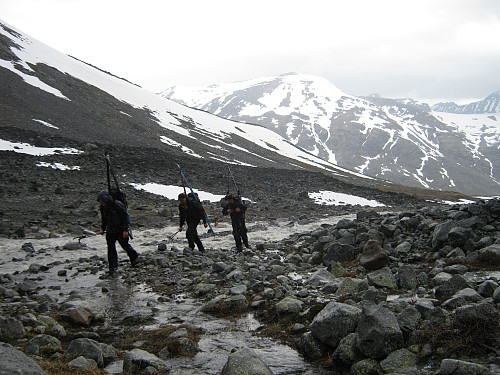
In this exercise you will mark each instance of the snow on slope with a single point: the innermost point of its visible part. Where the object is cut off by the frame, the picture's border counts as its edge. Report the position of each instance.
(33, 52)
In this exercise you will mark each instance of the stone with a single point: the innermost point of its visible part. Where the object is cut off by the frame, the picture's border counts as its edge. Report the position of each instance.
(457, 367)
(87, 348)
(347, 351)
(458, 236)
(137, 360)
(339, 252)
(403, 248)
(400, 362)
(181, 332)
(469, 295)
(487, 288)
(382, 278)
(77, 315)
(373, 257)
(334, 322)
(319, 278)
(374, 295)
(82, 363)
(15, 361)
(482, 314)
(311, 347)
(378, 332)
(11, 329)
(450, 287)
(204, 289)
(366, 367)
(45, 344)
(352, 286)
(245, 361)
(409, 319)
(407, 278)
(289, 305)
(440, 234)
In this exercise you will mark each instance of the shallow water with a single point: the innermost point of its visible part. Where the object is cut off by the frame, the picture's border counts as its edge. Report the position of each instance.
(116, 298)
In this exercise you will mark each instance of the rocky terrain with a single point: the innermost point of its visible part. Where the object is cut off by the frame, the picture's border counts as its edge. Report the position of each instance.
(413, 291)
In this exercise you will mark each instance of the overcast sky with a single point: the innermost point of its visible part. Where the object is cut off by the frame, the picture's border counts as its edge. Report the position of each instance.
(425, 49)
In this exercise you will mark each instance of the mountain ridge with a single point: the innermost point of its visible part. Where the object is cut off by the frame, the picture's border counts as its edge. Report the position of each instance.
(399, 140)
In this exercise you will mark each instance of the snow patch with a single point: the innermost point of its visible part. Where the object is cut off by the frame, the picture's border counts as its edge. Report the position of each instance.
(25, 148)
(173, 191)
(61, 167)
(331, 198)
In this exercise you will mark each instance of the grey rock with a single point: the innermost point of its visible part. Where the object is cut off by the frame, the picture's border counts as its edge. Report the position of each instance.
(407, 278)
(378, 332)
(16, 362)
(409, 319)
(457, 367)
(400, 362)
(352, 286)
(82, 363)
(440, 234)
(484, 314)
(311, 347)
(334, 322)
(374, 295)
(487, 288)
(469, 295)
(181, 332)
(289, 305)
(339, 252)
(137, 360)
(87, 348)
(382, 278)
(449, 288)
(245, 361)
(403, 248)
(366, 367)
(347, 351)
(11, 329)
(319, 278)
(45, 343)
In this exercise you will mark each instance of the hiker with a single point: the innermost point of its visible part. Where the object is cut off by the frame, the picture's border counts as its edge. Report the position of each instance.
(236, 208)
(191, 211)
(115, 224)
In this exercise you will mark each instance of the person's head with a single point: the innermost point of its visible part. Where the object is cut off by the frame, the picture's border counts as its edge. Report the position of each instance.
(229, 198)
(103, 197)
(182, 197)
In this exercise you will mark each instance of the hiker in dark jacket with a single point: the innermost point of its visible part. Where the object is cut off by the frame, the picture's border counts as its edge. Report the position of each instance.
(236, 208)
(191, 211)
(115, 223)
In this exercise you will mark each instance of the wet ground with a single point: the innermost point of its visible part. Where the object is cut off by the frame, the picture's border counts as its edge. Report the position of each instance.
(70, 274)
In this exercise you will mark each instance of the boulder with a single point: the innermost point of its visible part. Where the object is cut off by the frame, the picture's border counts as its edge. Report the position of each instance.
(311, 347)
(440, 234)
(457, 367)
(245, 361)
(400, 362)
(482, 314)
(450, 287)
(334, 322)
(289, 305)
(320, 278)
(382, 278)
(347, 351)
(366, 367)
(77, 315)
(407, 278)
(339, 252)
(11, 329)
(378, 332)
(16, 362)
(44, 344)
(373, 257)
(352, 286)
(137, 360)
(82, 363)
(87, 348)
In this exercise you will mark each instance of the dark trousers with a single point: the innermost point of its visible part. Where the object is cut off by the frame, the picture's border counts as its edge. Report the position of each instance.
(239, 232)
(192, 235)
(111, 239)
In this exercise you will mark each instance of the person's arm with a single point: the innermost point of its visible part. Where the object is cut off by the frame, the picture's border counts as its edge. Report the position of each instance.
(182, 218)
(103, 220)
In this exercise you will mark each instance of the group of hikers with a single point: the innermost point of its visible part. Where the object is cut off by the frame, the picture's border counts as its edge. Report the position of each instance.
(116, 223)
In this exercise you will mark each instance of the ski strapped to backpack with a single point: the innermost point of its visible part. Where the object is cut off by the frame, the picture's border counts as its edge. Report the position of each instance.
(115, 192)
(185, 182)
(234, 182)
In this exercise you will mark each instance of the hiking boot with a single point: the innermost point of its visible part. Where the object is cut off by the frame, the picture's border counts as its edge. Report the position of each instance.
(133, 262)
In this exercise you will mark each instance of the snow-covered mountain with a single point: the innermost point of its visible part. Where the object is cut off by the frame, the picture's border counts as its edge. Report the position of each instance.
(46, 92)
(398, 140)
(490, 104)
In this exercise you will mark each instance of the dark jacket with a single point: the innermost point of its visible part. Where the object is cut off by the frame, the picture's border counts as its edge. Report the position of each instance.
(193, 213)
(233, 206)
(114, 216)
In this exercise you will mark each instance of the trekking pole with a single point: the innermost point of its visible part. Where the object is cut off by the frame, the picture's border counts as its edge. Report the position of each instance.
(173, 235)
(194, 195)
(234, 181)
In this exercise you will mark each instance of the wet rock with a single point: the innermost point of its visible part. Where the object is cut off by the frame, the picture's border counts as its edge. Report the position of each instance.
(16, 362)
(366, 367)
(399, 362)
(137, 360)
(382, 278)
(373, 257)
(457, 367)
(245, 361)
(226, 304)
(87, 348)
(334, 322)
(11, 329)
(289, 305)
(378, 332)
